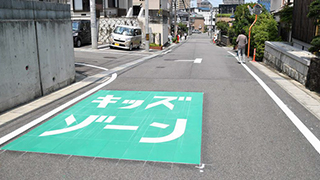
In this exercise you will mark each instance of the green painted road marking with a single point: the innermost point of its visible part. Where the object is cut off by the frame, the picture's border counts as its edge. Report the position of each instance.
(135, 125)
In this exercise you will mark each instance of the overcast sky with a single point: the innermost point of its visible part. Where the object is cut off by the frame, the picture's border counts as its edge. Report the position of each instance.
(216, 3)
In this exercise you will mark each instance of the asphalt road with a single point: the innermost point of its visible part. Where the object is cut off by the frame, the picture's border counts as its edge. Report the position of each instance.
(245, 135)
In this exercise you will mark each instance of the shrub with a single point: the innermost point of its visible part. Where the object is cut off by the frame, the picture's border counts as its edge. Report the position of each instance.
(315, 13)
(223, 27)
(265, 28)
(154, 45)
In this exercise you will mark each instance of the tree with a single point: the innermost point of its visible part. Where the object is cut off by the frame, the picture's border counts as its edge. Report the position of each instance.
(286, 17)
(223, 27)
(183, 27)
(314, 12)
(265, 28)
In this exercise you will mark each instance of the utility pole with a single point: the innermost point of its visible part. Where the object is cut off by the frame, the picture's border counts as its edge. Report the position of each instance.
(211, 27)
(146, 15)
(94, 35)
(175, 19)
(170, 17)
(185, 7)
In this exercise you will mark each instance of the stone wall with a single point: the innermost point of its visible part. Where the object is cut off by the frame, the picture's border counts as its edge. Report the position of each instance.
(313, 79)
(288, 59)
(36, 48)
(107, 25)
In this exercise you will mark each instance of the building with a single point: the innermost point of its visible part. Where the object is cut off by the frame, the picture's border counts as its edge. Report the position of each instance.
(181, 4)
(265, 3)
(303, 28)
(158, 19)
(197, 22)
(205, 4)
(198, 3)
(227, 8)
(105, 8)
(233, 1)
(206, 13)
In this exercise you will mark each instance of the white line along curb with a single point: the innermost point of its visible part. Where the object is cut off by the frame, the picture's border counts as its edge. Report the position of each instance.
(296, 121)
(33, 123)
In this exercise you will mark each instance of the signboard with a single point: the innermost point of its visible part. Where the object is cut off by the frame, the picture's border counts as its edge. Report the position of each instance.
(135, 125)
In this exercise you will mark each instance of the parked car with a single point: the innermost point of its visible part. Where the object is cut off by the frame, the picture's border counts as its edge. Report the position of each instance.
(126, 37)
(81, 31)
(196, 31)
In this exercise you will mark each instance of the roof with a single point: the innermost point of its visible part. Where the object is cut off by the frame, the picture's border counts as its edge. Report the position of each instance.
(204, 8)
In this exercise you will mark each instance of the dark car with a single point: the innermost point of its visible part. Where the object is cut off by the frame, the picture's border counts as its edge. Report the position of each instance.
(81, 31)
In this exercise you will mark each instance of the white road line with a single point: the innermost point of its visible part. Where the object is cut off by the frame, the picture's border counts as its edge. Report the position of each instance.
(33, 123)
(178, 131)
(296, 121)
(121, 127)
(159, 125)
(89, 65)
(198, 60)
(110, 119)
(184, 60)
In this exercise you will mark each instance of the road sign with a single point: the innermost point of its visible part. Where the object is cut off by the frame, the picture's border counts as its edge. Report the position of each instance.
(135, 125)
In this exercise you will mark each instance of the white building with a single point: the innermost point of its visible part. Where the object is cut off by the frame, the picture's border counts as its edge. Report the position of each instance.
(206, 13)
(158, 19)
(106, 8)
(233, 1)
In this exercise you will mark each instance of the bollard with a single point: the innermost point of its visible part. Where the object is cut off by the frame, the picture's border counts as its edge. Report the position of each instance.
(254, 55)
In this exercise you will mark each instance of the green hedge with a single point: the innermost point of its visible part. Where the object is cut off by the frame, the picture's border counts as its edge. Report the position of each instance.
(224, 15)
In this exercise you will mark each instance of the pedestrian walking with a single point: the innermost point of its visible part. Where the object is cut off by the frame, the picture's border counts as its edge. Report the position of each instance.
(185, 36)
(242, 41)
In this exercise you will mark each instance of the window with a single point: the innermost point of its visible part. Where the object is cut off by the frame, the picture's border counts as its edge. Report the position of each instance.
(84, 5)
(81, 5)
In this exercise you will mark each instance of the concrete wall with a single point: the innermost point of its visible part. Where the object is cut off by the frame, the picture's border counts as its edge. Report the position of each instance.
(288, 59)
(36, 49)
(159, 29)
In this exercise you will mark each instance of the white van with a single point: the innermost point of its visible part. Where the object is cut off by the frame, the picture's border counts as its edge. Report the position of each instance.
(126, 37)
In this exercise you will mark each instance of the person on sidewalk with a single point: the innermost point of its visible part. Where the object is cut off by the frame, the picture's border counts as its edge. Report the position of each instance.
(242, 41)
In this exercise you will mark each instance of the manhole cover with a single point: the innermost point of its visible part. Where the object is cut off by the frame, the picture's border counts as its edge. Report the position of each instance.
(160, 67)
(169, 59)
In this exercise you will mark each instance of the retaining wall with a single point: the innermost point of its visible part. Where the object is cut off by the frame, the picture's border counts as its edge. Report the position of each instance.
(36, 50)
(288, 59)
